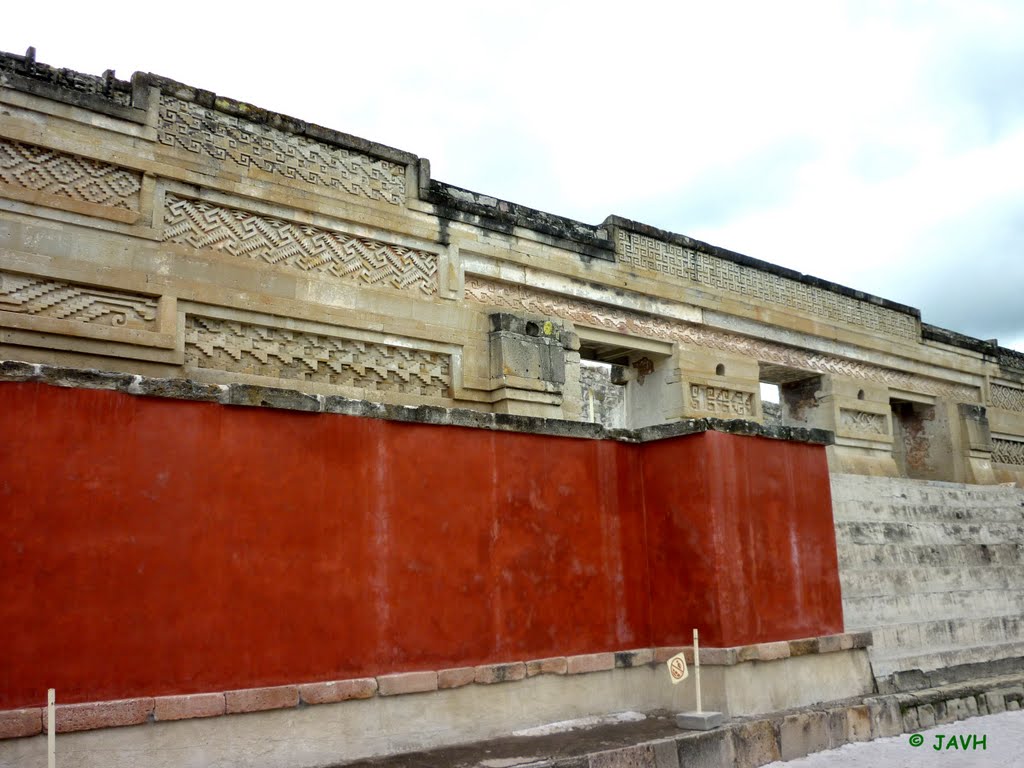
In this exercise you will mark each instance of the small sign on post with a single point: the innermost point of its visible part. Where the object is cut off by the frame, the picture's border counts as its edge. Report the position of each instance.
(677, 670)
(699, 720)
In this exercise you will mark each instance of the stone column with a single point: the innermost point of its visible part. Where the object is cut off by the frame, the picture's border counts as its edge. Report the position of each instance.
(534, 366)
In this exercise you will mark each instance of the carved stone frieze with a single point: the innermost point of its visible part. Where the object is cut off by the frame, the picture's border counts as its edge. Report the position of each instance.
(494, 293)
(246, 144)
(862, 421)
(280, 353)
(1010, 398)
(78, 178)
(1007, 451)
(62, 300)
(721, 401)
(303, 248)
(704, 269)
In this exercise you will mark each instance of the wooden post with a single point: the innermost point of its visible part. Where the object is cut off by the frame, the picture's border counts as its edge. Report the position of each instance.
(696, 665)
(51, 729)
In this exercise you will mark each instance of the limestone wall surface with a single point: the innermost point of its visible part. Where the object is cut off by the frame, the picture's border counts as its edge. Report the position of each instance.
(154, 228)
(933, 570)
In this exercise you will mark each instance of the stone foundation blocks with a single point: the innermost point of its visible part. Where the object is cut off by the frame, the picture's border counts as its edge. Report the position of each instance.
(261, 699)
(755, 743)
(556, 665)
(16, 723)
(189, 706)
(102, 714)
(338, 690)
(802, 734)
(406, 682)
(589, 662)
(456, 678)
(500, 673)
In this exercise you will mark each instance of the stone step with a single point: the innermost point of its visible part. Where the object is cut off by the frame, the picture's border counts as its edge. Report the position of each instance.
(889, 555)
(883, 665)
(901, 490)
(928, 533)
(875, 512)
(960, 604)
(922, 636)
(874, 581)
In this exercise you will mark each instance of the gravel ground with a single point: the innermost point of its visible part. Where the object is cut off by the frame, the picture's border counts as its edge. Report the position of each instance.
(1004, 748)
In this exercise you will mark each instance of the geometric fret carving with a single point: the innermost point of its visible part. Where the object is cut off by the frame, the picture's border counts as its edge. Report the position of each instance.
(631, 323)
(1010, 398)
(298, 247)
(71, 176)
(862, 421)
(203, 131)
(728, 402)
(260, 350)
(46, 297)
(1008, 451)
(704, 269)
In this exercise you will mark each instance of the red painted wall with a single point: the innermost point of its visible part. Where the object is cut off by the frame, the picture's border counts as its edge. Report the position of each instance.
(741, 538)
(158, 546)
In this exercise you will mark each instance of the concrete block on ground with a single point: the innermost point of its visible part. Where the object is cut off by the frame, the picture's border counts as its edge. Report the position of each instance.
(699, 721)
(971, 705)
(926, 716)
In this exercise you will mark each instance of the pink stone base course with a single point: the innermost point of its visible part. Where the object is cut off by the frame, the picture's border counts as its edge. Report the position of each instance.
(31, 721)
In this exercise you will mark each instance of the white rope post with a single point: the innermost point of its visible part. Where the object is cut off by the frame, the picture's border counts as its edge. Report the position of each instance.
(696, 665)
(51, 729)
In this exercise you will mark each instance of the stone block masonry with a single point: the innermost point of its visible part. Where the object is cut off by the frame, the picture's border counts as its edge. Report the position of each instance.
(154, 228)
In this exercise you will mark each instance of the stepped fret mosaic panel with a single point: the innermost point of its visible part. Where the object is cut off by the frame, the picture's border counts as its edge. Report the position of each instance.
(296, 247)
(863, 421)
(1007, 397)
(227, 138)
(711, 271)
(517, 297)
(59, 173)
(1008, 451)
(45, 297)
(280, 353)
(721, 401)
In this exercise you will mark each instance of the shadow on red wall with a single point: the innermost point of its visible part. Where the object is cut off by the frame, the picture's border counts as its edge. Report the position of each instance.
(155, 546)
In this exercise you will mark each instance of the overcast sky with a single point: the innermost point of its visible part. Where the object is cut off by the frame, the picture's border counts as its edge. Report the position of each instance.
(876, 144)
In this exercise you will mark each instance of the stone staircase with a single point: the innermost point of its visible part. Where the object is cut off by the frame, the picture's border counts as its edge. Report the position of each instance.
(935, 570)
